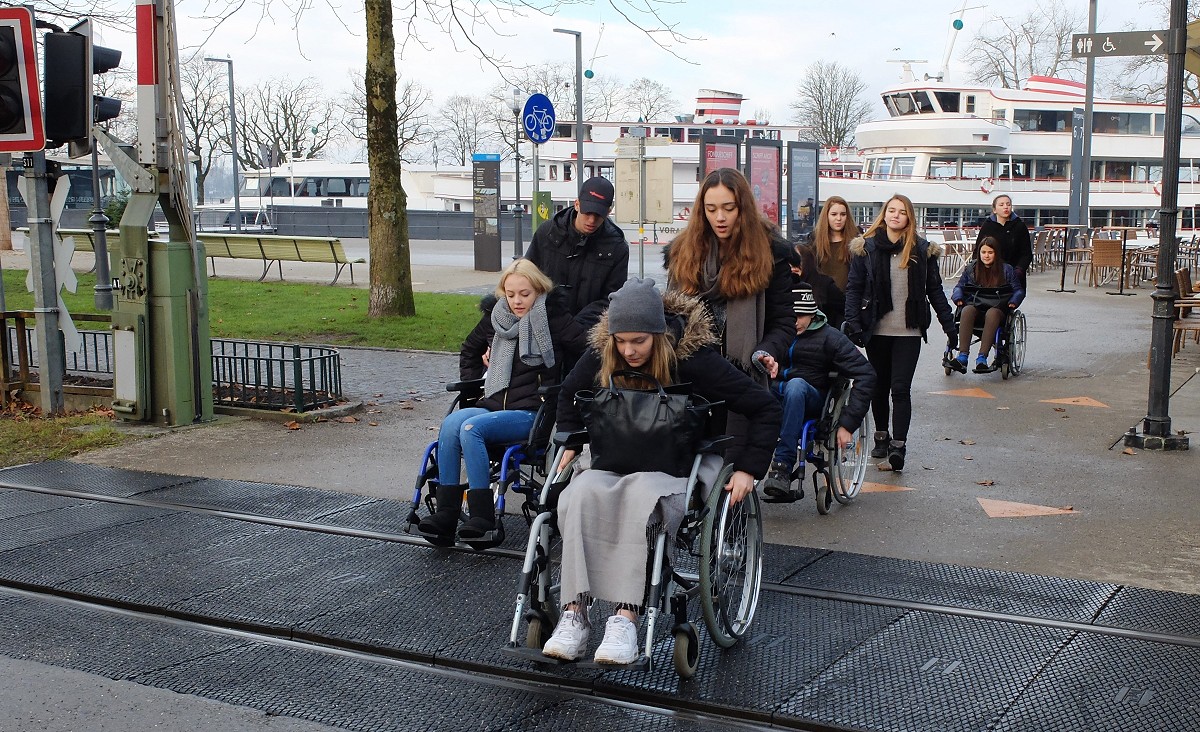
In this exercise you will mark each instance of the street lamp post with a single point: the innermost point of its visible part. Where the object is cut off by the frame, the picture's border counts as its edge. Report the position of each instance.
(578, 104)
(515, 105)
(237, 199)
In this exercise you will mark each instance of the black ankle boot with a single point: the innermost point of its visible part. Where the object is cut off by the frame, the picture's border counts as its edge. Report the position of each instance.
(482, 505)
(882, 440)
(440, 526)
(896, 455)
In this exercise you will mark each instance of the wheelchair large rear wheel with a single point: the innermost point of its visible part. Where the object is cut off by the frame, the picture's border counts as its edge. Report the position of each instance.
(731, 549)
(1016, 342)
(848, 466)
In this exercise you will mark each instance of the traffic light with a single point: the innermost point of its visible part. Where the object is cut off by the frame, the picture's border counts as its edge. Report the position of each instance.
(20, 108)
(71, 108)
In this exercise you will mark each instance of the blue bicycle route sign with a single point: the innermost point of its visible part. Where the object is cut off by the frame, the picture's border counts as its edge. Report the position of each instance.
(538, 118)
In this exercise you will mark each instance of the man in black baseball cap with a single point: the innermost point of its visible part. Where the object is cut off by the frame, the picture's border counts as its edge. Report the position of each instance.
(583, 251)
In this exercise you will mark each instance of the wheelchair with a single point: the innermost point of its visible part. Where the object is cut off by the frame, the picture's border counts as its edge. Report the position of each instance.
(1010, 336)
(723, 541)
(838, 472)
(519, 467)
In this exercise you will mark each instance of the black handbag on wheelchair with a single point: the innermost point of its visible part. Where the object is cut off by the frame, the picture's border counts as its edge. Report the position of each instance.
(633, 430)
(987, 297)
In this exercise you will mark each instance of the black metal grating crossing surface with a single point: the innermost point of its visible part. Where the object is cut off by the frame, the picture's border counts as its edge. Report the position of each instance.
(98, 642)
(66, 475)
(15, 503)
(264, 499)
(350, 693)
(781, 562)
(792, 640)
(36, 528)
(583, 716)
(971, 588)
(929, 672)
(1156, 610)
(1105, 683)
(80, 555)
(173, 580)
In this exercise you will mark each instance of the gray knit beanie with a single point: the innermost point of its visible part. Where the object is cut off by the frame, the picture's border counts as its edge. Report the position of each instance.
(636, 308)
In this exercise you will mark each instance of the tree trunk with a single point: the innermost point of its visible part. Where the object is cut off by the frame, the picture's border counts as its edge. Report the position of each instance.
(387, 206)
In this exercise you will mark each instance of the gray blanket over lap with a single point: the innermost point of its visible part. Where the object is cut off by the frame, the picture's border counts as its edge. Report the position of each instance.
(606, 521)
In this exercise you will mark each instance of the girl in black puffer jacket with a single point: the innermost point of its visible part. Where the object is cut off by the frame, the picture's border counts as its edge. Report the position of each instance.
(525, 336)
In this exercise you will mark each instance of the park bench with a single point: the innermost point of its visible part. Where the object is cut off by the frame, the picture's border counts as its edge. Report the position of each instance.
(270, 249)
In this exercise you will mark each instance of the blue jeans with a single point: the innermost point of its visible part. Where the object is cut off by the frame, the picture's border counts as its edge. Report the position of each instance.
(467, 432)
(800, 401)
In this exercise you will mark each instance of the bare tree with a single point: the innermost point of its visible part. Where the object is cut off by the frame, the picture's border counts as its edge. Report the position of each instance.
(1009, 50)
(649, 100)
(1144, 78)
(465, 125)
(412, 123)
(604, 98)
(464, 24)
(294, 114)
(206, 115)
(830, 102)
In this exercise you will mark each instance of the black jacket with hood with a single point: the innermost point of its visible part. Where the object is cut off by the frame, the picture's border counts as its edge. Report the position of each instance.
(1015, 246)
(698, 364)
(862, 300)
(570, 340)
(589, 268)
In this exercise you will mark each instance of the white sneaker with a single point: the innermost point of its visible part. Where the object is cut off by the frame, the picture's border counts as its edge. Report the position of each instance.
(570, 638)
(620, 644)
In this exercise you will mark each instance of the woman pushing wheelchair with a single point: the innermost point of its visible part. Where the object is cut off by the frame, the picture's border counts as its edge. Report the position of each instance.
(607, 518)
(989, 287)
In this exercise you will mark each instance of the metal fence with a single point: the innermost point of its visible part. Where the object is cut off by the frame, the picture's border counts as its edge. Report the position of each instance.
(245, 373)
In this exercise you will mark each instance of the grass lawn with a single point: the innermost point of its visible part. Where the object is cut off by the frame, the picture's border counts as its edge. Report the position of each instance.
(26, 438)
(301, 312)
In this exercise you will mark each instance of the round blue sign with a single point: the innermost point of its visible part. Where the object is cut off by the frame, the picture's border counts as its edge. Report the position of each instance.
(538, 118)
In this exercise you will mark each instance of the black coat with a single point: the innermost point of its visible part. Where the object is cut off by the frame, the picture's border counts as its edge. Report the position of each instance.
(1015, 246)
(588, 268)
(821, 350)
(709, 374)
(861, 298)
(570, 340)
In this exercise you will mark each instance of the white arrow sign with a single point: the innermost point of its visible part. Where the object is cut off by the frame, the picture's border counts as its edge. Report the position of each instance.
(1154, 43)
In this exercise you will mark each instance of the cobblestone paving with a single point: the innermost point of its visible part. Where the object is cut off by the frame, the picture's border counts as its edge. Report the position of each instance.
(387, 377)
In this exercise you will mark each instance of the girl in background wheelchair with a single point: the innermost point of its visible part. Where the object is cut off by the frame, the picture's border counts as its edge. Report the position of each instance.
(525, 335)
(988, 286)
(606, 519)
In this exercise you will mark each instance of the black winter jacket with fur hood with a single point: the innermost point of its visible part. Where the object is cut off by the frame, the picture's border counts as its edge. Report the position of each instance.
(862, 299)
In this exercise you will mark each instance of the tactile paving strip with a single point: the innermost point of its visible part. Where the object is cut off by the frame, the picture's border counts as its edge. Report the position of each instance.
(791, 641)
(31, 529)
(15, 503)
(350, 693)
(98, 642)
(1109, 684)
(1155, 610)
(970, 588)
(264, 499)
(66, 475)
(80, 555)
(929, 672)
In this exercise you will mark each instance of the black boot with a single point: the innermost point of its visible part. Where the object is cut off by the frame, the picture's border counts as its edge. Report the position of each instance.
(440, 526)
(482, 505)
(881, 445)
(896, 455)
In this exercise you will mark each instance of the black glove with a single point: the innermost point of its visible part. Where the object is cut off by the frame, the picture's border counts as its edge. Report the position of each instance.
(951, 341)
(856, 337)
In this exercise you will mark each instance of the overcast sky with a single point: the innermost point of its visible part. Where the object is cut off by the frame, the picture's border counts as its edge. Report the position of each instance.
(758, 48)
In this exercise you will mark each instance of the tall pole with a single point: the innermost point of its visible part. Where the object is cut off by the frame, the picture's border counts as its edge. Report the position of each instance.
(99, 222)
(233, 148)
(1156, 427)
(1085, 216)
(518, 239)
(578, 104)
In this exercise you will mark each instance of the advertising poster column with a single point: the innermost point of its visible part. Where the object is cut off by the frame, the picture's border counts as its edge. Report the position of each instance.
(803, 196)
(485, 175)
(716, 152)
(764, 170)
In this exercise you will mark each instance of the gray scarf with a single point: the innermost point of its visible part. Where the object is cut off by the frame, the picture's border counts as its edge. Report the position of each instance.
(528, 337)
(739, 322)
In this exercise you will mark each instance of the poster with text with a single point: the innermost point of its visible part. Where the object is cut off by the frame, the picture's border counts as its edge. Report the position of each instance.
(803, 196)
(764, 170)
(716, 154)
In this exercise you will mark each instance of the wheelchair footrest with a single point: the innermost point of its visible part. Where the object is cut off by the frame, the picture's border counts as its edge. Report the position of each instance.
(536, 656)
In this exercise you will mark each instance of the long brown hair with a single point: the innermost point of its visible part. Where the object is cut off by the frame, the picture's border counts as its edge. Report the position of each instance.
(910, 232)
(992, 276)
(822, 234)
(746, 262)
(660, 365)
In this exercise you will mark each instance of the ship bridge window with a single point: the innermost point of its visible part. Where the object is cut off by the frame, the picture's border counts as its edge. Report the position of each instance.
(977, 169)
(1190, 125)
(906, 103)
(1042, 120)
(1122, 123)
(1015, 168)
(948, 101)
(943, 168)
(337, 187)
(903, 167)
(279, 187)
